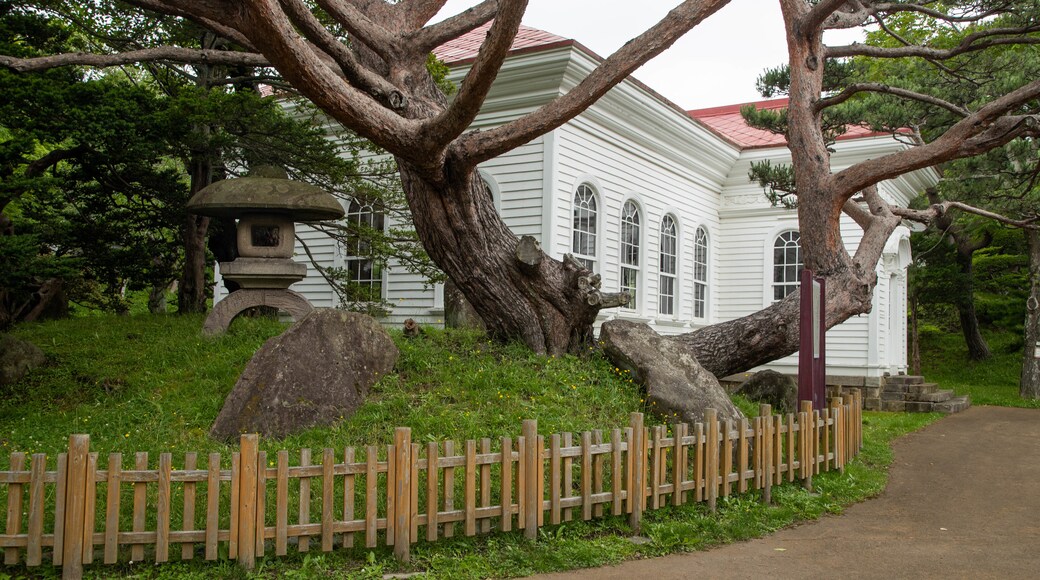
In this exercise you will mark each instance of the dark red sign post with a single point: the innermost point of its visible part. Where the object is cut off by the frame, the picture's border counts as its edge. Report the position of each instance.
(812, 366)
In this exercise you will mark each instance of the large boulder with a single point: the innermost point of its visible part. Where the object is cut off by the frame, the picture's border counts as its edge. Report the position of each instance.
(316, 373)
(677, 386)
(773, 388)
(17, 357)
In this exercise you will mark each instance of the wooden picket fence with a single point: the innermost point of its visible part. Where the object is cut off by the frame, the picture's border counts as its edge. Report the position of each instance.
(396, 490)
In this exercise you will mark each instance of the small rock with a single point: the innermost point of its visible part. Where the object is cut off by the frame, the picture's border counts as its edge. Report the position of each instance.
(17, 357)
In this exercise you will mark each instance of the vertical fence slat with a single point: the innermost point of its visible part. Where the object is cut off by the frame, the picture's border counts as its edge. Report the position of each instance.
(449, 489)
(521, 483)
(777, 448)
(328, 482)
(586, 475)
(485, 485)
(678, 464)
(615, 470)
(75, 491)
(348, 496)
(162, 509)
(471, 488)
(727, 456)
(188, 513)
(212, 505)
(711, 466)
(655, 468)
(15, 492)
(402, 486)
(540, 479)
(597, 472)
(247, 500)
(532, 503)
(555, 479)
(805, 447)
(698, 465)
(630, 458)
(413, 504)
(371, 507)
(60, 489)
(638, 471)
(261, 503)
(791, 450)
(236, 479)
(568, 476)
(90, 508)
(431, 491)
(391, 474)
(506, 493)
(281, 508)
(742, 456)
(765, 416)
(140, 497)
(34, 549)
(304, 513)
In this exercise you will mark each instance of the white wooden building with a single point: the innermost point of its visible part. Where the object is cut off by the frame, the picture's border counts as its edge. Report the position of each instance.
(657, 200)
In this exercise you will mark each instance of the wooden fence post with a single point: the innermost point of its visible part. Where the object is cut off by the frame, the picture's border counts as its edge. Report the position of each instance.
(75, 506)
(766, 413)
(532, 501)
(711, 464)
(638, 466)
(402, 493)
(247, 474)
(805, 429)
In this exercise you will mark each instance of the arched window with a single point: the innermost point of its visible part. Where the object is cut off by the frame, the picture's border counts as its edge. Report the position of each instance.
(583, 241)
(787, 264)
(630, 252)
(669, 266)
(700, 273)
(363, 220)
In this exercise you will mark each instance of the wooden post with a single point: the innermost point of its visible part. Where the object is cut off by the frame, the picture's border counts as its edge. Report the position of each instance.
(766, 414)
(805, 436)
(75, 504)
(402, 493)
(532, 503)
(248, 456)
(711, 465)
(638, 467)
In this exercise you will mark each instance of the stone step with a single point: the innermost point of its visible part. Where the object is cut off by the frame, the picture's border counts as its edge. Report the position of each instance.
(936, 397)
(893, 406)
(904, 380)
(954, 405)
(896, 388)
(922, 389)
(872, 404)
(892, 396)
(919, 407)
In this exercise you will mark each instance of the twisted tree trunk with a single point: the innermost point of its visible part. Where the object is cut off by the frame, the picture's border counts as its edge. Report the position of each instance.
(1029, 386)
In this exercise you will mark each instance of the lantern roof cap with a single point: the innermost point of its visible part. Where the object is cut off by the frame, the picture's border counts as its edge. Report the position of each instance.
(267, 189)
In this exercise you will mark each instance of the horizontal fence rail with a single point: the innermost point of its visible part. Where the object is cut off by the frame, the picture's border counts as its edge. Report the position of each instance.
(89, 511)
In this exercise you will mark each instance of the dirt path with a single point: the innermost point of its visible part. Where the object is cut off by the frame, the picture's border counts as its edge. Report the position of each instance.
(963, 501)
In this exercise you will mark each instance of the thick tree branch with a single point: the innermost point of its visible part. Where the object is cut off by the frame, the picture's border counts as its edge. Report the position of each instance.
(343, 57)
(856, 88)
(416, 13)
(858, 213)
(892, 8)
(936, 211)
(473, 148)
(440, 130)
(984, 129)
(835, 14)
(362, 28)
(162, 53)
(971, 43)
(435, 35)
(210, 15)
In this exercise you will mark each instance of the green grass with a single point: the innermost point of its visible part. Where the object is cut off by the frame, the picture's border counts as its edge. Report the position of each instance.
(990, 382)
(153, 384)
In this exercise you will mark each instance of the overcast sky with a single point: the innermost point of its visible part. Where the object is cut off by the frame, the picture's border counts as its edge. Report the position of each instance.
(714, 64)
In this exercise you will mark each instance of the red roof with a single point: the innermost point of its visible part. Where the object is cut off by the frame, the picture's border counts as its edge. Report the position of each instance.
(467, 46)
(727, 122)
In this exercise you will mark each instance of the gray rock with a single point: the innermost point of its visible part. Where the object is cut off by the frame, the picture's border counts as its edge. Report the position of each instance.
(316, 373)
(773, 388)
(17, 357)
(677, 387)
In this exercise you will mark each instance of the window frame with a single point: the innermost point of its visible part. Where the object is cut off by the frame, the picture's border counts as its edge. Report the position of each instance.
(590, 261)
(635, 269)
(701, 276)
(353, 255)
(664, 276)
(773, 283)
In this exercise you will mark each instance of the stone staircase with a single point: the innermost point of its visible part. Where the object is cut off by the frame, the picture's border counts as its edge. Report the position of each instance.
(911, 394)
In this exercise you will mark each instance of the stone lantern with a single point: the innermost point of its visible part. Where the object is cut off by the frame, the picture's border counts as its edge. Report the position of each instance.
(267, 205)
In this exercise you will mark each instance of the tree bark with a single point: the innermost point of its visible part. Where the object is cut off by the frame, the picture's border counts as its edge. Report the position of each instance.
(1029, 386)
(915, 339)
